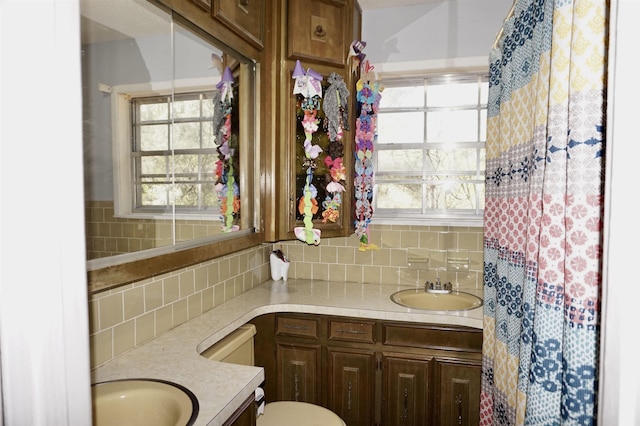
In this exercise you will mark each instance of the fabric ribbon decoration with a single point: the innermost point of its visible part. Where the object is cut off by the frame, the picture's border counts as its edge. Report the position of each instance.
(336, 112)
(368, 98)
(356, 52)
(308, 85)
(226, 186)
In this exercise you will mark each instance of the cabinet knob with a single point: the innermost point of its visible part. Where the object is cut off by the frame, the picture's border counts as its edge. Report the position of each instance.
(319, 31)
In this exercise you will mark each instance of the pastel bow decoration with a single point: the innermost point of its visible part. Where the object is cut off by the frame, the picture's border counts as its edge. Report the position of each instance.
(224, 85)
(335, 187)
(307, 84)
(309, 236)
(216, 62)
(311, 151)
(226, 151)
(356, 52)
(337, 169)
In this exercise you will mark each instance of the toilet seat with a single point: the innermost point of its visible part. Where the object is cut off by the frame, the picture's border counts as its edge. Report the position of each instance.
(285, 413)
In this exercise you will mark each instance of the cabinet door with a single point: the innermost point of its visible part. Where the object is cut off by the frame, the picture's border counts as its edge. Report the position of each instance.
(405, 391)
(245, 415)
(317, 30)
(351, 390)
(459, 394)
(246, 18)
(298, 372)
(317, 172)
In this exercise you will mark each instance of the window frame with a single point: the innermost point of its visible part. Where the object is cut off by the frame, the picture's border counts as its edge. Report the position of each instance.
(424, 216)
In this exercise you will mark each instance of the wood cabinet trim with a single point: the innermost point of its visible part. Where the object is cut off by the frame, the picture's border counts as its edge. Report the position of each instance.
(321, 38)
(351, 331)
(299, 327)
(462, 339)
(223, 15)
(245, 415)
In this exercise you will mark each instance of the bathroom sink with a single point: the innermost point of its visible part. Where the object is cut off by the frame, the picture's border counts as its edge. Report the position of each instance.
(418, 298)
(142, 402)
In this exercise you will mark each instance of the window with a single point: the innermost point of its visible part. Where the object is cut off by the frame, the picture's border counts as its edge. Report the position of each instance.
(429, 153)
(173, 158)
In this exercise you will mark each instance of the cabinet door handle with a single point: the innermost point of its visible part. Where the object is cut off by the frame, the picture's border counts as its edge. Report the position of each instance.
(349, 396)
(342, 330)
(296, 327)
(459, 404)
(405, 412)
(319, 31)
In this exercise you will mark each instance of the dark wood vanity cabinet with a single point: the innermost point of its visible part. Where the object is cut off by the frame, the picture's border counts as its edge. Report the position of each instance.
(298, 372)
(351, 384)
(458, 391)
(245, 415)
(298, 358)
(406, 390)
(373, 373)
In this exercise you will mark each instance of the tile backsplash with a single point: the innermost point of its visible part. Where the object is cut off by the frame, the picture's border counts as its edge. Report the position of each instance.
(108, 235)
(394, 260)
(130, 315)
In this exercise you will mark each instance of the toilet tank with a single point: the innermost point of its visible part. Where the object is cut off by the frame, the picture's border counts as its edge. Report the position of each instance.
(236, 348)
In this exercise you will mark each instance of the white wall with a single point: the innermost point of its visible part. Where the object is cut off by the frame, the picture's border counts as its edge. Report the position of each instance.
(620, 387)
(432, 31)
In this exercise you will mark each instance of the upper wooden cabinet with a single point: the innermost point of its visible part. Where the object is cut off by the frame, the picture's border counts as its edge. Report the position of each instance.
(319, 31)
(277, 33)
(244, 17)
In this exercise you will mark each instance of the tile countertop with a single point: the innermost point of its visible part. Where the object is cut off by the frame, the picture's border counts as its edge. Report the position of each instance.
(221, 387)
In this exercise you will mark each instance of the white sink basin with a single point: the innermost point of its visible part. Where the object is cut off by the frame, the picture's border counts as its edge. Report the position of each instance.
(138, 402)
(418, 298)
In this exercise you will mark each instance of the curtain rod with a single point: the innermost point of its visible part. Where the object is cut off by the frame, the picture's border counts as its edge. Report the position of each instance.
(509, 15)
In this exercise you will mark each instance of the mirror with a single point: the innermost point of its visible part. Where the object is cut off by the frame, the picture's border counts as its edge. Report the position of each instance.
(168, 137)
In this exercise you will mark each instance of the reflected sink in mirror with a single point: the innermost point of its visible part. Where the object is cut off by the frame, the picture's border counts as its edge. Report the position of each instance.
(418, 298)
(143, 401)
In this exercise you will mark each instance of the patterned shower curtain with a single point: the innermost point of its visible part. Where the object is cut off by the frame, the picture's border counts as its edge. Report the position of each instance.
(543, 213)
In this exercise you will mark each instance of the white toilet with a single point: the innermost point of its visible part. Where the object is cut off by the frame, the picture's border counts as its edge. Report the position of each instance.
(237, 348)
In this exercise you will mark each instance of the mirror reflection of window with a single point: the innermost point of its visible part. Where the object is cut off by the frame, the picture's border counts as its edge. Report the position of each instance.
(150, 149)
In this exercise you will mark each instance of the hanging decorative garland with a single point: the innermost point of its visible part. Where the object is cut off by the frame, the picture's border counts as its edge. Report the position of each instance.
(368, 100)
(309, 87)
(226, 186)
(336, 113)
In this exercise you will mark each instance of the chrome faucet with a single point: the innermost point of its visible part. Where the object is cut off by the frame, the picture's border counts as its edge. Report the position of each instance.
(437, 287)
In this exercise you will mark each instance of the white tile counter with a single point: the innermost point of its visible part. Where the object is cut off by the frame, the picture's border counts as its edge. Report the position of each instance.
(221, 388)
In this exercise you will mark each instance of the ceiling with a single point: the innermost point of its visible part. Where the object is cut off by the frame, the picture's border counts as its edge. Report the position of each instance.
(120, 19)
(378, 4)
